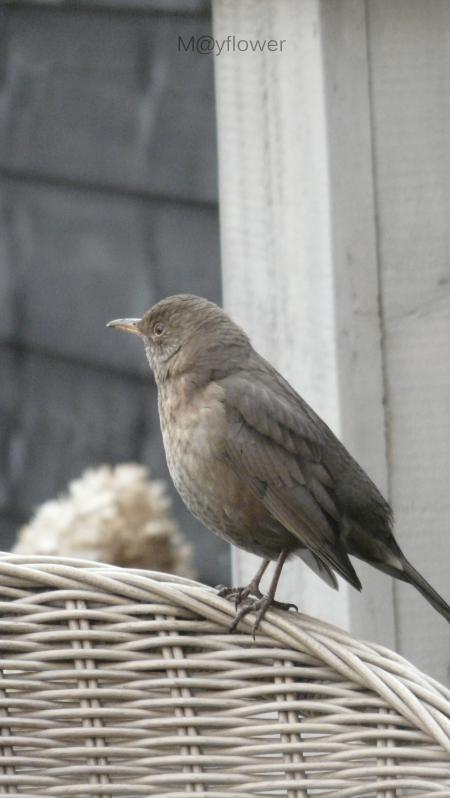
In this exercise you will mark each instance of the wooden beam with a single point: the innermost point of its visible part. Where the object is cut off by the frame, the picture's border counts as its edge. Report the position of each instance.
(298, 239)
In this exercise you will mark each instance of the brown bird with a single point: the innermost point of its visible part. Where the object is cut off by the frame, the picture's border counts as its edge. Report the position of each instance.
(252, 460)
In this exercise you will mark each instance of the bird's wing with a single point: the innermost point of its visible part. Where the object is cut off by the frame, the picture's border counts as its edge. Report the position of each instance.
(319, 567)
(275, 448)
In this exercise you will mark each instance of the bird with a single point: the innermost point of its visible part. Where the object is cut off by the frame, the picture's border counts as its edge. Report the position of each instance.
(255, 463)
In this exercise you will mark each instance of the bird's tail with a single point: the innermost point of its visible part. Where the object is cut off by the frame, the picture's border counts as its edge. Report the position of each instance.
(414, 578)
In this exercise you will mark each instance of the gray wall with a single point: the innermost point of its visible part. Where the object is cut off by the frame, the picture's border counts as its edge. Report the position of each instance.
(108, 202)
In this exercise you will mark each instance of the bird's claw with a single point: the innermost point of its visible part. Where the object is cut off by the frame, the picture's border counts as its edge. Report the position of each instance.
(223, 591)
(283, 605)
(260, 606)
(239, 594)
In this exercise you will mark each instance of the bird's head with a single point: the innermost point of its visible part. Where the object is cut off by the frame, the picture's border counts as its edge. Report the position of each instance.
(186, 332)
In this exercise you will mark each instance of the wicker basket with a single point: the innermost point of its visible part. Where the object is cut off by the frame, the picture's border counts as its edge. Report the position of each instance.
(127, 683)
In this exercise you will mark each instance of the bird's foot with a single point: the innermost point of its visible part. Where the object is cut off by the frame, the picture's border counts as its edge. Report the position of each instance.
(259, 605)
(239, 594)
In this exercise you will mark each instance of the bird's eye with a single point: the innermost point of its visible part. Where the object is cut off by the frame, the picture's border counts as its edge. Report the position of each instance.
(158, 329)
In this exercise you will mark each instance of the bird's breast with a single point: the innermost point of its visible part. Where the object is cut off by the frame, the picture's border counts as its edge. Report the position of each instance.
(193, 425)
(194, 429)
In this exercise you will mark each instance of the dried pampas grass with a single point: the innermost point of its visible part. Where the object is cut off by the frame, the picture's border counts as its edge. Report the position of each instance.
(111, 514)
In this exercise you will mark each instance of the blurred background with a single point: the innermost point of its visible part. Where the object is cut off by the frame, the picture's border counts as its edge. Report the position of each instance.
(108, 196)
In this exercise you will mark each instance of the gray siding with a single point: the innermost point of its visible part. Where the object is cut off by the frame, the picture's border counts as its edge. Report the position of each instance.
(107, 99)
(107, 203)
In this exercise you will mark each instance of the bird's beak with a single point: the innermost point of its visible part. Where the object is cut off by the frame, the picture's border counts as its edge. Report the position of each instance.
(126, 325)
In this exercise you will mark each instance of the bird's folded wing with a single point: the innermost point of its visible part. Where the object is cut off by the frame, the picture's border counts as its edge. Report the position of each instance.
(277, 453)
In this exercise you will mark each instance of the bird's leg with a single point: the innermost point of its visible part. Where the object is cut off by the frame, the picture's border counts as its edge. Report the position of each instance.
(241, 593)
(262, 603)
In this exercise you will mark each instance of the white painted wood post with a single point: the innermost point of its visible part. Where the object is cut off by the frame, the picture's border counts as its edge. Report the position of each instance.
(288, 229)
(301, 249)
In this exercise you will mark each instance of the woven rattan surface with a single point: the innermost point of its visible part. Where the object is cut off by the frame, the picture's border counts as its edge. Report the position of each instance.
(127, 683)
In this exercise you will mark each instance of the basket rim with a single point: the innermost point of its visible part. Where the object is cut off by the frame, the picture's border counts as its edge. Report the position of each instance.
(403, 687)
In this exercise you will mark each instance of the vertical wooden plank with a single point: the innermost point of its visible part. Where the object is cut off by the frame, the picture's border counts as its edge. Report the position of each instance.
(273, 189)
(292, 243)
(410, 67)
(357, 307)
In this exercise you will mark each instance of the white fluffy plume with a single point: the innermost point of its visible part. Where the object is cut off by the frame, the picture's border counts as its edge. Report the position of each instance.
(111, 514)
